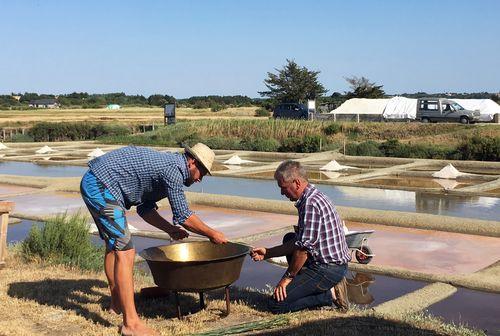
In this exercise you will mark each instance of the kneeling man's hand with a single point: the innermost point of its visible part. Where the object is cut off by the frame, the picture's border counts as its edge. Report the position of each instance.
(280, 290)
(258, 253)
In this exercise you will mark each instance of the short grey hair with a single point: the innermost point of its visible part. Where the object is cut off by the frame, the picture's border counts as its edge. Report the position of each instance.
(290, 170)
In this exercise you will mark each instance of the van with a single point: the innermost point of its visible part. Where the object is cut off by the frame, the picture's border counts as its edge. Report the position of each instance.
(444, 110)
(290, 111)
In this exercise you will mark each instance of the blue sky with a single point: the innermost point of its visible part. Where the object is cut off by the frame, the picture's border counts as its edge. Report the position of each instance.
(226, 47)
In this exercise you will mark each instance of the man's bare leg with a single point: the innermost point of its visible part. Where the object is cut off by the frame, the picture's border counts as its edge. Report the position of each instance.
(124, 284)
(109, 269)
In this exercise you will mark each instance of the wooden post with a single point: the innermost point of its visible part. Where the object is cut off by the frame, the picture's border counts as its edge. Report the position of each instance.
(5, 208)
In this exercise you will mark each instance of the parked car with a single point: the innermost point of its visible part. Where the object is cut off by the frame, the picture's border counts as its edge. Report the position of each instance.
(441, 109)
(290, 111)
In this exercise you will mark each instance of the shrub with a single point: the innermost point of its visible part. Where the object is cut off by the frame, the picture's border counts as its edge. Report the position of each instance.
(216, 107)
(63, 240)
(262, 112)
(308, 144)
(21, 138)
(261, 145)
(74, 131)
(482, 149)
(332, 129)
(368, 148)
(222, 143)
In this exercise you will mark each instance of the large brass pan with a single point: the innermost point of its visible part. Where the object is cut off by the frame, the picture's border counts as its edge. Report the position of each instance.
(195, 266)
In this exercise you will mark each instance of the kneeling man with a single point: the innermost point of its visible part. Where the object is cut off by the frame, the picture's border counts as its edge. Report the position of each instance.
(317, 253)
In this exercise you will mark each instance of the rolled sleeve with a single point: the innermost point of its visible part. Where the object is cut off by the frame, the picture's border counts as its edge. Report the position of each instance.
(146, 207)
(179, 205)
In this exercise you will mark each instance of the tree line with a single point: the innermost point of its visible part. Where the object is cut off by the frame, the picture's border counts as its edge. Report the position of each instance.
(86, 100)
(290, 84)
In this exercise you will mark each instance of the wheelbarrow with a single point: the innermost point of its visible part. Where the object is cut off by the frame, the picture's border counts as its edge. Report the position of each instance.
(357, 243)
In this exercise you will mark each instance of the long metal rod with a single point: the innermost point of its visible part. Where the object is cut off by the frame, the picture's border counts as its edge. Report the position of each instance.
(227, 301)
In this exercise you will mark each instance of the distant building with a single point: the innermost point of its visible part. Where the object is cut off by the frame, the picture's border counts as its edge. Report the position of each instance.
(113, 107)
(44, 103)
(18, 98)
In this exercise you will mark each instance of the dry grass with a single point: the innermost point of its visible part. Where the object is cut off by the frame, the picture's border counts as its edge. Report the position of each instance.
(124, 115)
(36, 299)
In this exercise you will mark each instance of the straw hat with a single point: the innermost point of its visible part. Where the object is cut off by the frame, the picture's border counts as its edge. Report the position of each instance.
(203, 154)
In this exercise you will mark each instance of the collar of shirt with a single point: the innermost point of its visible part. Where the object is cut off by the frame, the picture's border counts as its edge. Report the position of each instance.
(307, 191)
(184, 168)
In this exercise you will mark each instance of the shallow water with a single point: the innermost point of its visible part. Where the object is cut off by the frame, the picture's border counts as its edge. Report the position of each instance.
(33, 169)
(477, 309)
(371, 198)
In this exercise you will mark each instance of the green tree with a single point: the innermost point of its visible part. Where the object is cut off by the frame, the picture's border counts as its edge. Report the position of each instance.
(363, 88)
(293, 83)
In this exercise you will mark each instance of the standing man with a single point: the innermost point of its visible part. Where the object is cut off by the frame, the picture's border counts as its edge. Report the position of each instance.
(317, 253)
(139, 176)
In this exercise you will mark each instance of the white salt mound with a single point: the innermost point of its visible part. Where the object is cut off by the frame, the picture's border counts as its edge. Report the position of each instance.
(334, 166)
(96, 153)
(447, 184)
(45, 150)
(236, 160)
(2, 146)
(331, 175)
(448, 172)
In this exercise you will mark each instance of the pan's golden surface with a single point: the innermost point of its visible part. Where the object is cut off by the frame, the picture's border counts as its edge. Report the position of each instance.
(195, 266)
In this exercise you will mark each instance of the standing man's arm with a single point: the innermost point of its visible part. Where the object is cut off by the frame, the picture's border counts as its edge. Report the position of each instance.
(196, 225)
(152, 217)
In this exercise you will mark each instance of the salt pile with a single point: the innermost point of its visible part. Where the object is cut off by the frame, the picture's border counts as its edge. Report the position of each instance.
(45, 150)
(331, 175)
(236, 160)
(2, 146)
(448, 172)
(96, 153)
(334, 166)
(446, 183)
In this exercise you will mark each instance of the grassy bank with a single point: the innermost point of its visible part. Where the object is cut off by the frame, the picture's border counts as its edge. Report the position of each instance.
(431, 141)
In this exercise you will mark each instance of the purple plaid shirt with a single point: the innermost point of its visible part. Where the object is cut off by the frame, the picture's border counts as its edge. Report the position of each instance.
(321, 232)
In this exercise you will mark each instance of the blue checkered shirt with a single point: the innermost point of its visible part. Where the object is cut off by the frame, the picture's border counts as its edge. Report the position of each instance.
(142, 176)
(321, 232)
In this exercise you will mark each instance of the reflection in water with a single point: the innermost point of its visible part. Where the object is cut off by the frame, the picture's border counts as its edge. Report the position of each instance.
(370, 198)
(450, 204)
(357, 288)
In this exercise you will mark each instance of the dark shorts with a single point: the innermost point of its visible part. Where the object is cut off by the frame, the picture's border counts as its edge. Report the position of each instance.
(108, 214)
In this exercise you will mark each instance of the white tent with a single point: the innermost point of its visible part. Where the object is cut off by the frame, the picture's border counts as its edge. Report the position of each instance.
(406, 108)
(45, 150)
(236, 160)
(362, 106)
(400, 108)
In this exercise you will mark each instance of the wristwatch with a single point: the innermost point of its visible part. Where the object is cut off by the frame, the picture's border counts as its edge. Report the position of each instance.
(288, 275)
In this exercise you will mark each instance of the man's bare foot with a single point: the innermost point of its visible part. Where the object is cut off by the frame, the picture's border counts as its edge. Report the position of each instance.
(114, 311)
(138, 330)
